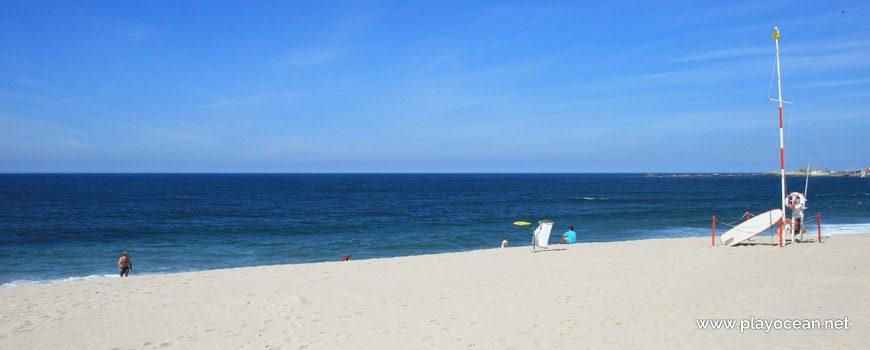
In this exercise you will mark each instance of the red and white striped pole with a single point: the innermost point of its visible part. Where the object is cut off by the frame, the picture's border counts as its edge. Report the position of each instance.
(781, 138)
(781, 144)
(781, 231)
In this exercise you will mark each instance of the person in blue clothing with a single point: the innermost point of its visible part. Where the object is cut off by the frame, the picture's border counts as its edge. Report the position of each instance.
(569, 237)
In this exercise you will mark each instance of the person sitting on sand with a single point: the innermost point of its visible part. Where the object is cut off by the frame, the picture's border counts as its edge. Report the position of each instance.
(346, 258)
(125, 265)
(506, 242)
(569, 237)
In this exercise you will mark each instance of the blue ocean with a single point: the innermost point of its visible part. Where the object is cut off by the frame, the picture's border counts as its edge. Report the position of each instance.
(61, 227)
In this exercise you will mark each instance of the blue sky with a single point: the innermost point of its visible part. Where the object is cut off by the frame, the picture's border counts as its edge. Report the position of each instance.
(446, 86)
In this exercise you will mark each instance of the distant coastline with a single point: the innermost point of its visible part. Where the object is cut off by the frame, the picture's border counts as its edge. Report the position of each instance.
(767, 174)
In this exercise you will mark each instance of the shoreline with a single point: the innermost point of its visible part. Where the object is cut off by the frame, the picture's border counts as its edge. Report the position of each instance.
(93, 277)
(644, 293)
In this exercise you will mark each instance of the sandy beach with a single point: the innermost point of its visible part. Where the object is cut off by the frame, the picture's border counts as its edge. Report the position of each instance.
(636, 294)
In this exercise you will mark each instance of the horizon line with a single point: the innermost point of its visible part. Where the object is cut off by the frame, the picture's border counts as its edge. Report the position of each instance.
(356, 173)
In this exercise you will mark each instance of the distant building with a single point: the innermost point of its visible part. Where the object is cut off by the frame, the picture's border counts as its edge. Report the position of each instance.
(823, 171)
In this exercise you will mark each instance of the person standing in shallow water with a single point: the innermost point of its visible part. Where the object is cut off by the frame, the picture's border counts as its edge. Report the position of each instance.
(125, 265)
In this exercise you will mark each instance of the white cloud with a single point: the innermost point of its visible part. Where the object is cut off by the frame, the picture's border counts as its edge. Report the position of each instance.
(175, 135)
(721, 54)
(849, 60)
(237, 101)
(140, 32)
(30, 131)
(51, 99)
(435, 53)
(27, 82)
(308, 57)
(831, 83)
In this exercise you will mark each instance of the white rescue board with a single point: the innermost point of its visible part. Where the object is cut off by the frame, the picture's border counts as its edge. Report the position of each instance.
(750, 228)
(541, 237)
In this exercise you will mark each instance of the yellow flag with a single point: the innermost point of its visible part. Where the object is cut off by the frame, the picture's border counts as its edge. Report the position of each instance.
(776, 34)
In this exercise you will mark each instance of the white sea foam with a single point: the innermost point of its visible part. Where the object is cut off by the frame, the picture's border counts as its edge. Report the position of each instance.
(841, 229)
(17, 283)
(673, 232)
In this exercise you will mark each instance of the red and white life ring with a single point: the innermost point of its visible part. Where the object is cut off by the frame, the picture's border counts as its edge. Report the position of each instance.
(795, 197)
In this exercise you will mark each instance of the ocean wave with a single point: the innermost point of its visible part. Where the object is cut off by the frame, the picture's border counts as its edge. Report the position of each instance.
(29, 282)
(842, 229)
(680, 232)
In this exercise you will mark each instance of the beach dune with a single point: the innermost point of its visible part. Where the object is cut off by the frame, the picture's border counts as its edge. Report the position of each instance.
(637, 294)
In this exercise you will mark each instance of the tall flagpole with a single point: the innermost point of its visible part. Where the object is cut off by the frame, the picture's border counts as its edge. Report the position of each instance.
(781, 148)
(781, 143)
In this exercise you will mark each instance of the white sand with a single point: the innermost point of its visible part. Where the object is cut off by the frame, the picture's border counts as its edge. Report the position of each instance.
(640, 294)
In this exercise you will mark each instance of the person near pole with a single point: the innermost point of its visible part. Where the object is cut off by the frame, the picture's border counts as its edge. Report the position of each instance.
(797, 206)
